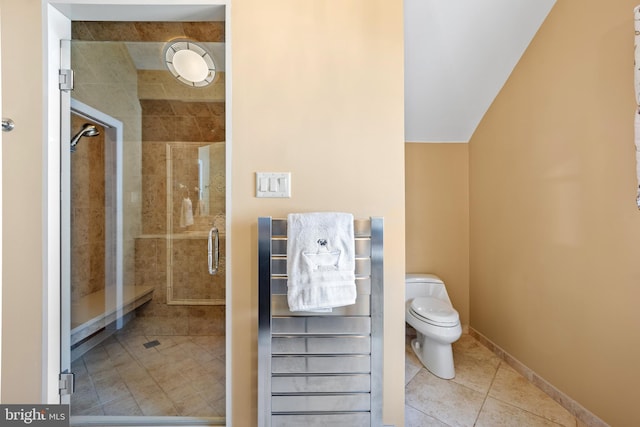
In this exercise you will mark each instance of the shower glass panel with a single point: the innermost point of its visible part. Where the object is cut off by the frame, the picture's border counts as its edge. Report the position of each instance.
(148, 320)
(195, 204)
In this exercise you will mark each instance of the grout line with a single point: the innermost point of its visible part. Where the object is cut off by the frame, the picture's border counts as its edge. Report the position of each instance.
(486, 396)
(534, 414)
(93, 387)
(137, 359)
(124, 382)
(139, 363)
(159, 384)
(427, 415)
(573, 407)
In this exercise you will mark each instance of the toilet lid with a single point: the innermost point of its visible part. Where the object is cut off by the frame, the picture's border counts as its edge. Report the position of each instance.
(435, 310)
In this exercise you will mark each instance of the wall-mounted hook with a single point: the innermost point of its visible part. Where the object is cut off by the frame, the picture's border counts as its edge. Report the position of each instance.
(7, 125)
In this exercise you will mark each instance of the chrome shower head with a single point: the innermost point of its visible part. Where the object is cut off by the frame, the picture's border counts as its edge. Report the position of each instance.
(87, 130)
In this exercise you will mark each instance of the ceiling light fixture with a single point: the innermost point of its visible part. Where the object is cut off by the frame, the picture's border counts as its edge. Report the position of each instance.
(189, 62)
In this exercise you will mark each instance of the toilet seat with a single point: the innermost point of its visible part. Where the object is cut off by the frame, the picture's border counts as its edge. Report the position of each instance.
(434, 311)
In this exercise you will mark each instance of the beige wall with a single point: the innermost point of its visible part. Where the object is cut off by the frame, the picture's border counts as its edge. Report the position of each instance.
(555, 233)
(23, 194)
(317, 91)
(437, 216)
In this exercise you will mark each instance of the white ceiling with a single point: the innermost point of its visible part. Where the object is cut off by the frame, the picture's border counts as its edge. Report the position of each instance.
(458, 55)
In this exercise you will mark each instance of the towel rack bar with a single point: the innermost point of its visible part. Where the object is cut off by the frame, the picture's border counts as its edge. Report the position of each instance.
(363, 266)
(334, 420)
(319, 420)
(319, 384)
(319, 346)
(304, 404)
(279, 285)
(362, 248)
(322, 325)
(361, 228)
(280, 307)
(356, 364)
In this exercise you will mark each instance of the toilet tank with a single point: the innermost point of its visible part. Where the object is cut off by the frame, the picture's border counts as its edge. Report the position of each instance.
(425, 285)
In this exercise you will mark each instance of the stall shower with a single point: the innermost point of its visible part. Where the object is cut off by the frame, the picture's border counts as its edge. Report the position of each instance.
(155, 344)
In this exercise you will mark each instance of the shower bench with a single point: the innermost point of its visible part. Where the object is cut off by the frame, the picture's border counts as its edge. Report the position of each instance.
(94, 312)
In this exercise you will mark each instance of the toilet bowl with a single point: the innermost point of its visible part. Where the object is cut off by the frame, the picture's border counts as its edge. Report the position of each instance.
(437, 323)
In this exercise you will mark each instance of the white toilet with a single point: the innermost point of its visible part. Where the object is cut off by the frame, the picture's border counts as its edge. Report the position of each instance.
(429, 311)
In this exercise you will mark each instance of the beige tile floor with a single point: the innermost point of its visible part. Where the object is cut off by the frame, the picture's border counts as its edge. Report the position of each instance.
(184, 376)
(486, 392)
(181, 376)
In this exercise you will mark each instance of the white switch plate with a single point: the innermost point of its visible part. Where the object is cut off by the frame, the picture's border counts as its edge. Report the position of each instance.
(273, 184)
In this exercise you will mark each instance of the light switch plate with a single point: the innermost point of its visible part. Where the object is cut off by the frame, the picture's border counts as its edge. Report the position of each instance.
(273, 184)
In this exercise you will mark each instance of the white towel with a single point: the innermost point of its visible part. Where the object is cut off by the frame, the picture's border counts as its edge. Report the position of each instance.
(202, 208)
(320, 261)
(186, 213)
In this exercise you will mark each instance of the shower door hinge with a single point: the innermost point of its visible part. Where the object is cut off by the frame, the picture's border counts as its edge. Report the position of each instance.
(66, 383)
(65, 78)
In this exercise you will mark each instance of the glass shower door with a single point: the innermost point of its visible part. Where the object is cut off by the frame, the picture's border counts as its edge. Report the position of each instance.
(147, 319)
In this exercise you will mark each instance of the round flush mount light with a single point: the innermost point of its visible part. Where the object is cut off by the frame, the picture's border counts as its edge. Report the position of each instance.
(189, 62)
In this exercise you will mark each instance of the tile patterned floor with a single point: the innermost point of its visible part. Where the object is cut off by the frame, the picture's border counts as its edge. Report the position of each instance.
(179, 376)
(486, 392)
(184, 376)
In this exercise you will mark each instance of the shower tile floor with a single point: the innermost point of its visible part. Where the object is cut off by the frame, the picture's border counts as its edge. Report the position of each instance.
(486, 392)
(169, 376)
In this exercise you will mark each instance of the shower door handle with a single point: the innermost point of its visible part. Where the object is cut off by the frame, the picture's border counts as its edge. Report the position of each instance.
(213, 257)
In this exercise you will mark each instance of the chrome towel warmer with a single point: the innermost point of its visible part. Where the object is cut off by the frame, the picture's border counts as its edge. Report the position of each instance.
(320, 369)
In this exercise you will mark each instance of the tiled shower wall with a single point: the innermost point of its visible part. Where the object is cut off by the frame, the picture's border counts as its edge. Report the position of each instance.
(180, 127)
(87, 214)
(159, 318)
(106, 79)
